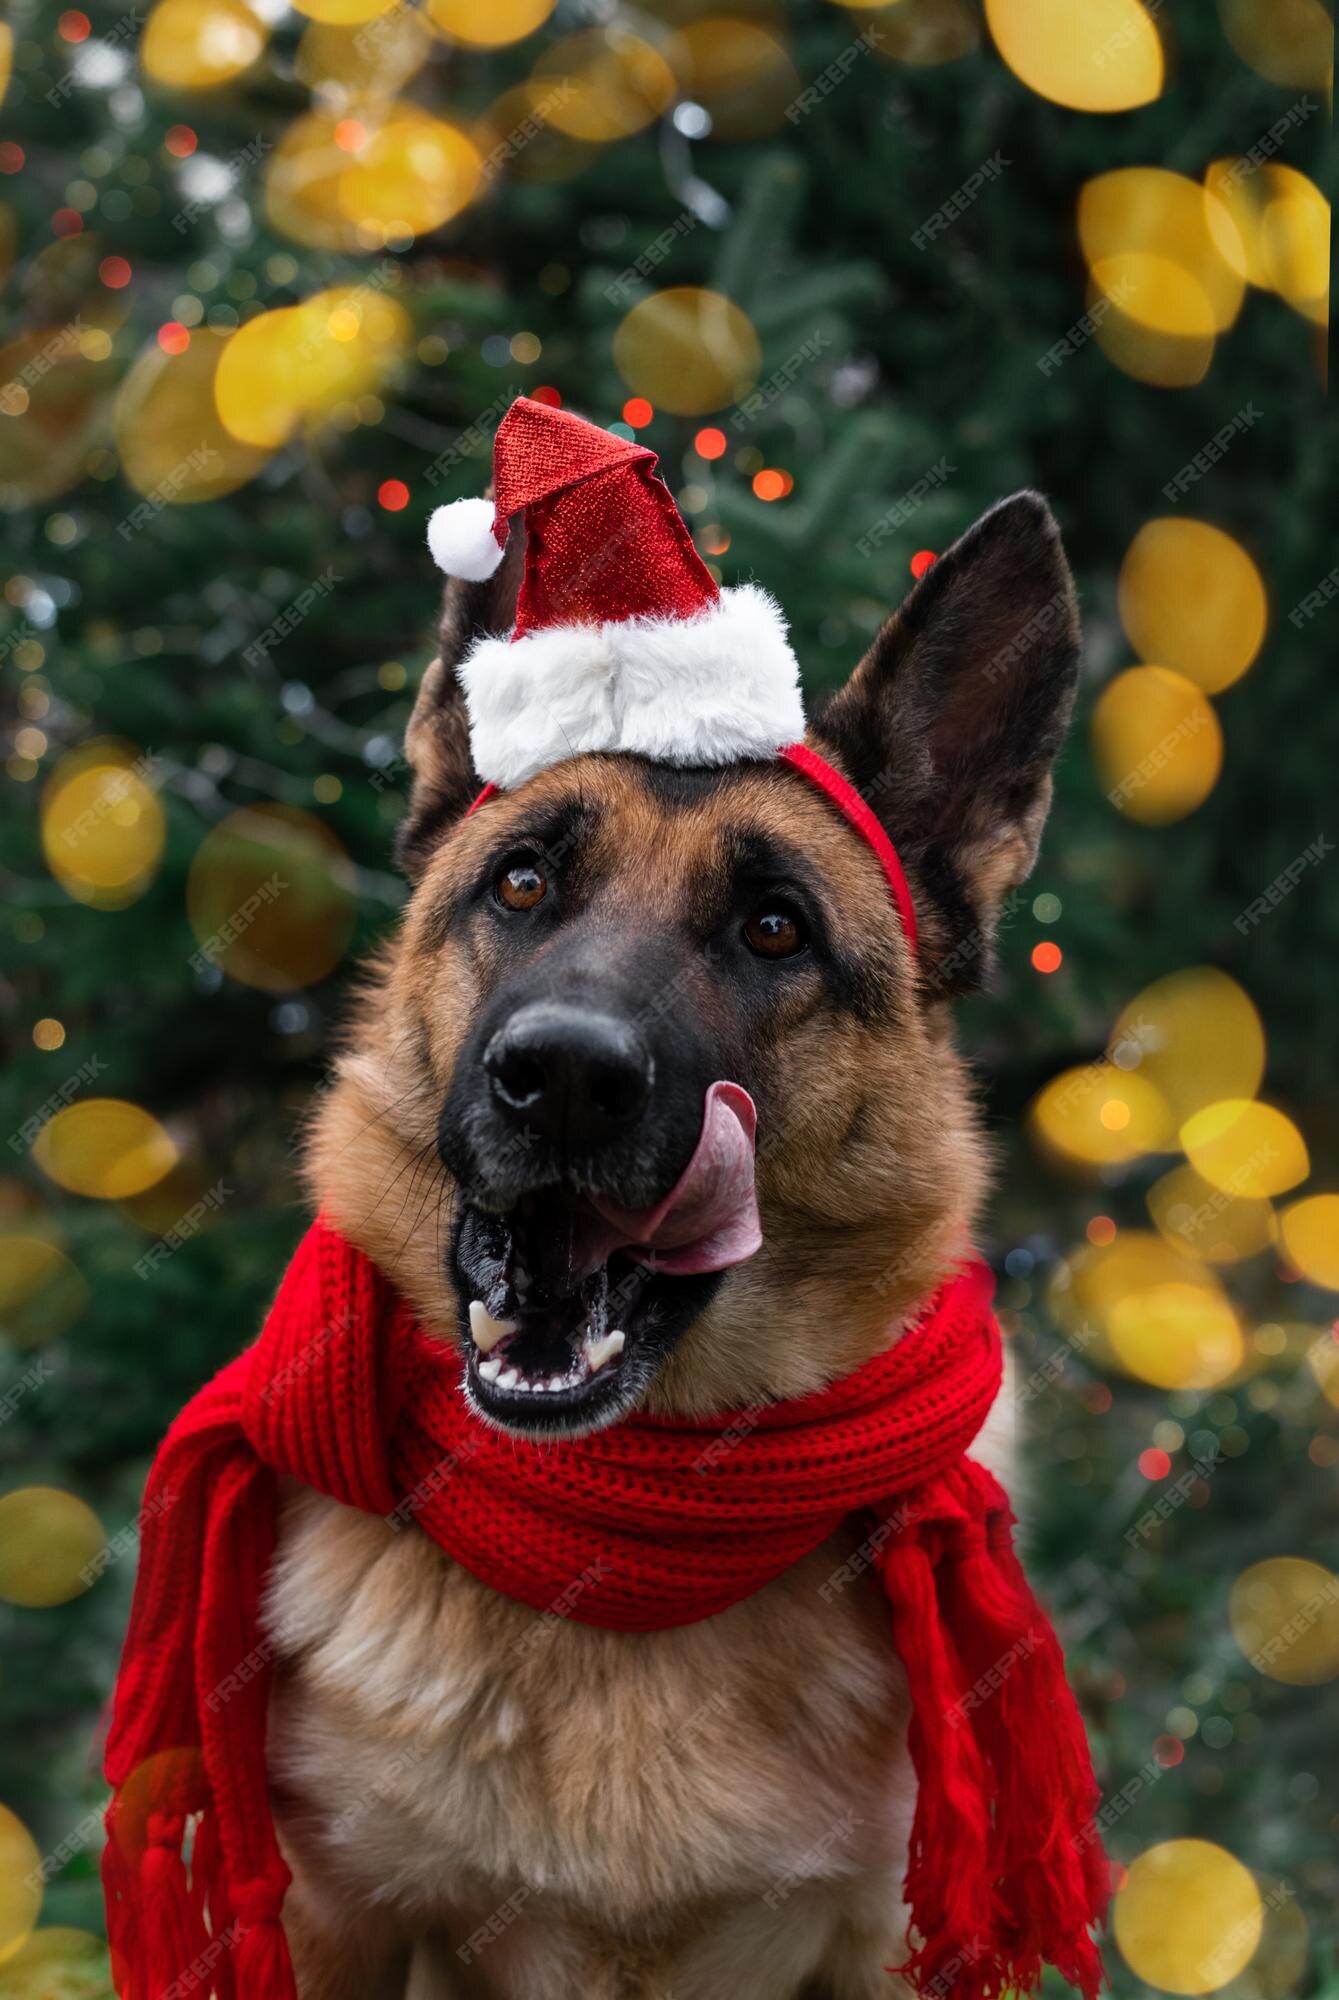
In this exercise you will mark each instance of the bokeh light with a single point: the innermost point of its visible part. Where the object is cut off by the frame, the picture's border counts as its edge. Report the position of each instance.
(1176, 1335)
(1295, 244)
(1310, 1231)
(272, 898)
(1157, 744)
(57, 1963)
(300, 363)
(1192, 1214)
(1187, 1917)
(1245, 1148)
(740, 73)
(174, 448)
(489, 24)
(1192, 599)
(102, 826)
(1097, 1115)
(49, 1544)
(105, 1148)
(1284, 1614)
(1287, 41)
(1102, 56)
(604, 84)
(20, 1882)
(1195, 1035)
(375, 60)
(41, 1292)
(200, 44)
(688, 351)
(52, 403)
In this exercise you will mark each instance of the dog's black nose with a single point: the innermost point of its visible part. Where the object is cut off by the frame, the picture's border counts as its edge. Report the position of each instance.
(574, 1075)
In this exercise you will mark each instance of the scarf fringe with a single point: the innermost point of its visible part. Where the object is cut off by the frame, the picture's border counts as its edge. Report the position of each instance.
(1005, 1872)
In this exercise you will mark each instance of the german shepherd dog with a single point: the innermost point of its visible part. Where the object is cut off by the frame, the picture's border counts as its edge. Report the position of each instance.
(466, 1816)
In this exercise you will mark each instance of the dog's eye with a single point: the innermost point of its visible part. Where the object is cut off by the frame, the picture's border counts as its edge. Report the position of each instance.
(521, 886)
(776, 933)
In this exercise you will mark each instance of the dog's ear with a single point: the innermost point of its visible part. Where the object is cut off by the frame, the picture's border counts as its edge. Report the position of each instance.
(951, 722)
(437, 740)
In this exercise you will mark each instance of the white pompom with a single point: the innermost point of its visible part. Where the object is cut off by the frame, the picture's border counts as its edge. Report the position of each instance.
(461, 538)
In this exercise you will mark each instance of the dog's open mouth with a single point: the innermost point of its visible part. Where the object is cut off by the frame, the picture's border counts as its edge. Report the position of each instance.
(573, 1301)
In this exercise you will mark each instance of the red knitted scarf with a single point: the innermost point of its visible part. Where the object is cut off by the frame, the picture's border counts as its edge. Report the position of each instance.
(663, 1522)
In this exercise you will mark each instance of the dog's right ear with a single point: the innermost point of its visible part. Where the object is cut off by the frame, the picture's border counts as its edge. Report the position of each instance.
(437, 740)
(950, 724)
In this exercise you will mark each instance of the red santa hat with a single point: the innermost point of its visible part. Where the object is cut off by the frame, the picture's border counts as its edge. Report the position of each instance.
(622, 641)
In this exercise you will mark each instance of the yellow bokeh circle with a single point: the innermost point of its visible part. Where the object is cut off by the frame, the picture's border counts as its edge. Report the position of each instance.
(41, 1292)
(489, 24)
(1284, 1614)
(102, 826)
(173, 448)
(49, 1545)
(1193, 1215)
(1295, 243)
(299, 363)
(1100, 1115)
(1104, 55)
(1310, 1231)
(52, 396)
(272, 898)
(1157, 744)
(1245, 1148)
(1188, 1917)
(1151, 212)
(343, 13)
(199, 44)
(688, 351)
(1151, 319)
(740, 72)
(1196, 1035)
(415, 173)
(1178, 1336)
(604, 84)
(57, 1963)
(20, 1893)
(105, 1148)
(1288, 41)
(1192, 599)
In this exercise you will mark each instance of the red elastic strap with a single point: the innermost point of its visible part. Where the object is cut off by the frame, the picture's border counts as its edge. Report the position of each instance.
(857, 815)
(852, 809)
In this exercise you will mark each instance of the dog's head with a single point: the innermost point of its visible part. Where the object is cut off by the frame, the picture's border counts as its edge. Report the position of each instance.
(586, 956)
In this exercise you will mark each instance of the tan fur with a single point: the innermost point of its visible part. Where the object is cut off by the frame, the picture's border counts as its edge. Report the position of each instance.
(638, 1803)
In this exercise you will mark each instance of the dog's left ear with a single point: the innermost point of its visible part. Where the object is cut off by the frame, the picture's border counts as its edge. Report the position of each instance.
(437, 739)
(951, 722)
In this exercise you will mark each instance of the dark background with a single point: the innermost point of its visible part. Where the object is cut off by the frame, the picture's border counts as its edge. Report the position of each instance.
(928, 353)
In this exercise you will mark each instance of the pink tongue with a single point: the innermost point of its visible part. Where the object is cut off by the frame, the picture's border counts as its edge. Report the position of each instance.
(709, 1218)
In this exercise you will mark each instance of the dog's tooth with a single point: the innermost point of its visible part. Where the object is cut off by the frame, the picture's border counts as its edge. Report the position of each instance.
(485, 1331)
(508, 1379)
(492, 1368)
(557, 1382)
(600, 1351)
